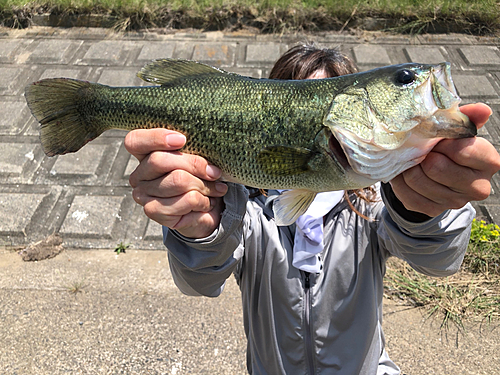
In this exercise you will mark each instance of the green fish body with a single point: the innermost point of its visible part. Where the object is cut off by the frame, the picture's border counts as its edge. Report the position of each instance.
(307, 136)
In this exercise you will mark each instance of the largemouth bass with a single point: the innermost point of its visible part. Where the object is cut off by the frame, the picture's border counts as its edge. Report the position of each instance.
(306, 136)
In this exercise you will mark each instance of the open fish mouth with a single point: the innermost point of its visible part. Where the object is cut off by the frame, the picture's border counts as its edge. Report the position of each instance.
(387, 147)
(441, 99)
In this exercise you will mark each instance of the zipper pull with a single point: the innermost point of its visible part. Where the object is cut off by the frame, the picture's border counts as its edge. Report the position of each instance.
(307, 281)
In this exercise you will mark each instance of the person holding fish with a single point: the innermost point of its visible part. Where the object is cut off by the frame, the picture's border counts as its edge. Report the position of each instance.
(327, 316)
(310, 264)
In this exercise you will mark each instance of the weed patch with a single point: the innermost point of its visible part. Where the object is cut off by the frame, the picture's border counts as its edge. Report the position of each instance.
(473, 293)
(404, 16)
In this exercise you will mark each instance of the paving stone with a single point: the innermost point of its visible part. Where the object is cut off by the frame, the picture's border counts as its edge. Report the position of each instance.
(371, 54)
(247, 72)
(484, 133)
(66, 73)
(493, 211)
(156, 50)
(94, 220)
(474, 86)
(84, 162)
(154, 231)
(92, 216)
(131, 166)
(120, 77)
(184, 51)
(425, 55)
(13, 117)
(493, 126)
(107, 53)
(8, 49)
(14, 157)
(9, 77)
(480, 55)
(18, 208)
(54, 51)
(220, 54)
(265, 52)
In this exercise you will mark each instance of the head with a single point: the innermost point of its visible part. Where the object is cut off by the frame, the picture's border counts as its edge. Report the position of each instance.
(306, 61)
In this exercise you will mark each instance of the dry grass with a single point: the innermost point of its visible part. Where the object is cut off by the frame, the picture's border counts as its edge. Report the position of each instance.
(455, 298)
(476, 16)
(473, 293)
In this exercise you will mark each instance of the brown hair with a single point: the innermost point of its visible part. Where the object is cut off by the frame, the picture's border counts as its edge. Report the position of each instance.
(303, 60)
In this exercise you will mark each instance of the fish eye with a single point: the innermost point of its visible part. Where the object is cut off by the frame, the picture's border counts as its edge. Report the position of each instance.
(405, 76)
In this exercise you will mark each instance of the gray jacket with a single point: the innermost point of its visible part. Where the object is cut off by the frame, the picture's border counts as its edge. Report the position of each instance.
(326, 323)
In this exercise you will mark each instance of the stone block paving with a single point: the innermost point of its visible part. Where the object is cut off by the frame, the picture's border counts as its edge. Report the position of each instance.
(86, 197)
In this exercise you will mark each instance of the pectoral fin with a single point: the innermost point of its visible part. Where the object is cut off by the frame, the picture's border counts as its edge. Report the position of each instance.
(284, 160)
(290, 205)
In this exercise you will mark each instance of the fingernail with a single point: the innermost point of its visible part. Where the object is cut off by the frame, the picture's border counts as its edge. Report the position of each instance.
(176, 140)
(213, 171)
(221, 187)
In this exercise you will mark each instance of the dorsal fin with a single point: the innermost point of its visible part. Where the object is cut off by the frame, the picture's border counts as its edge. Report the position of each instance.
(166, 70)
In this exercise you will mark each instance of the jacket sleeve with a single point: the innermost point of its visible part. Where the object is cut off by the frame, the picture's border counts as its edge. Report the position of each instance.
(433, 246)
(201, 266)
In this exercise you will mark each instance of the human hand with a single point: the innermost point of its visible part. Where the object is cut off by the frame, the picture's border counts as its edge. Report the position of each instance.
(455, 172)
(177, 190)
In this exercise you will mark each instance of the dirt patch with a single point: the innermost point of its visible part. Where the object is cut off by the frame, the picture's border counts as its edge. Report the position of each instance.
(45, 249)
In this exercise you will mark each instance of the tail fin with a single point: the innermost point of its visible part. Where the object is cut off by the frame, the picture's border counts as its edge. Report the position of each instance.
(54, 103)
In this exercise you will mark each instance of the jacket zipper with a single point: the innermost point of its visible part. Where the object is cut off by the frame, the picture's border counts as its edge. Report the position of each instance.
(308, 324)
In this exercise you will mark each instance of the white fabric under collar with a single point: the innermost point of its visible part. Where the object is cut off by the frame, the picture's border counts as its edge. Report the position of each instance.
(308, 242)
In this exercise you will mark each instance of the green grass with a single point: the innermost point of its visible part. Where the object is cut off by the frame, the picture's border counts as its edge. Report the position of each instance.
(121, 248)
(483, 255)
(477, 16)
(473, 293)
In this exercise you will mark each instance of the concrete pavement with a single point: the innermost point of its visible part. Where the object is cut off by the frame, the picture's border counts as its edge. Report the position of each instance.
(94, 312)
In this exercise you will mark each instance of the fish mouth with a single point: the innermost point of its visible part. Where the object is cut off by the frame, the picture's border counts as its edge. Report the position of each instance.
(440, 99)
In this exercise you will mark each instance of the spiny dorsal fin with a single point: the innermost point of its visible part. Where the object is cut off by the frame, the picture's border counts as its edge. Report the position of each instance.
(166, 70)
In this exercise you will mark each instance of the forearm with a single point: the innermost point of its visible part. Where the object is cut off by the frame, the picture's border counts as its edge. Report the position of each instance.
(435, 246)
(201, 266)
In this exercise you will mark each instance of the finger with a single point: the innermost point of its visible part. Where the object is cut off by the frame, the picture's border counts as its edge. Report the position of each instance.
(179, 182)
(414, 201)
(446, 173)
(160, 163)
(199, 224)
(194, 224)
(442, 195)
(476, 153)
(142, 142)
(478, 113)
(176, 206)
